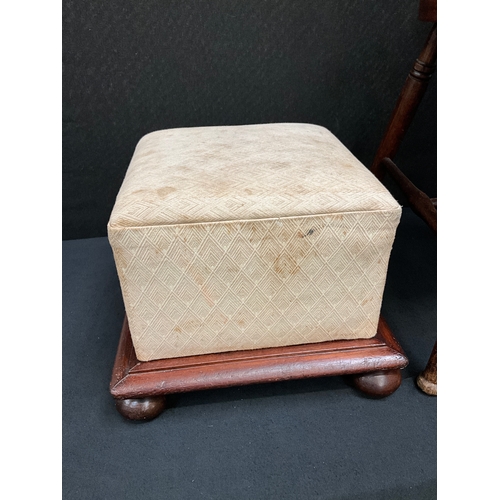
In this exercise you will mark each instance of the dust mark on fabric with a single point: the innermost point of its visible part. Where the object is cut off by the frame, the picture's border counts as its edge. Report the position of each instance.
(302, 235)
(165, 191)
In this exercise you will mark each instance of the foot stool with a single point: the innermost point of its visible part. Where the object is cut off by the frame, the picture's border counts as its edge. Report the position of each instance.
(250, 254)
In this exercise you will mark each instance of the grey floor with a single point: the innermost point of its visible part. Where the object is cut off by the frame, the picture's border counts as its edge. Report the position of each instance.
(306, 439)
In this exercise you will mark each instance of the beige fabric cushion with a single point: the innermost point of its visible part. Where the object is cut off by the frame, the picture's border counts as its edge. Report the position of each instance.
(244, 237)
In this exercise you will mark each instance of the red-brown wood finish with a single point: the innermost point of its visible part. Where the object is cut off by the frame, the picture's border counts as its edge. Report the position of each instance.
(378, 384)
(407, 104)
(141, 408)
(419, 202)
(402, 115)
(136, 380)
(427, 10)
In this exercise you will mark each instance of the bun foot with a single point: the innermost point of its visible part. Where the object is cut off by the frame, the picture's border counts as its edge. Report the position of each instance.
(141, 408)
(378, 384)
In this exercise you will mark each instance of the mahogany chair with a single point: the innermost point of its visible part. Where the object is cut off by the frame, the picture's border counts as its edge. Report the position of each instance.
(406, 106)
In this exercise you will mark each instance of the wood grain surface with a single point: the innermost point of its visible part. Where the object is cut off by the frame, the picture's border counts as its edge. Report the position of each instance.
(134, 379)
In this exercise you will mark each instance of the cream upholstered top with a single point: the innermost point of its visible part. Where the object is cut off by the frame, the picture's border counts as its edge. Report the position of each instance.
(212, 174)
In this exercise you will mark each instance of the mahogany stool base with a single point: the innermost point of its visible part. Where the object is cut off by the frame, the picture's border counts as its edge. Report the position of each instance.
(139, 388)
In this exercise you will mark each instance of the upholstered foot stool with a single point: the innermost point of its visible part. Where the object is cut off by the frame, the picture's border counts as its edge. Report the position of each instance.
(250, 254)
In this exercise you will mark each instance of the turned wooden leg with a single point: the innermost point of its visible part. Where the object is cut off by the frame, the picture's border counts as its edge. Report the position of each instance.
(406, 106)
(427, 380)
(141, 408)
(378, 384)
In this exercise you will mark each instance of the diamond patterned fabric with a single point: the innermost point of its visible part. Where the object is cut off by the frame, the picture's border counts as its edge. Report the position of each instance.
(245, 237)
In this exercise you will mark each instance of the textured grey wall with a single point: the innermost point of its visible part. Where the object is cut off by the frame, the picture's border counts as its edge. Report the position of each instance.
(133, 67)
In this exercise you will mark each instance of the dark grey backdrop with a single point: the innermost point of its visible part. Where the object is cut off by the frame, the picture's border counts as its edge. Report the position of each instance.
(133, 67)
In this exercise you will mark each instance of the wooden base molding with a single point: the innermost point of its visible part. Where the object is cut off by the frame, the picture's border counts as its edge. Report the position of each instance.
(139, 388)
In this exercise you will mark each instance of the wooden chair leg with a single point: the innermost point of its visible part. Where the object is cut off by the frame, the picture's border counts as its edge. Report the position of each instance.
(407, 104)
(427, 380)
(420, 203)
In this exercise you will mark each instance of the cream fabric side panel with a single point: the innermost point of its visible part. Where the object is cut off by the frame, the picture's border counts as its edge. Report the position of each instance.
(203, 288)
